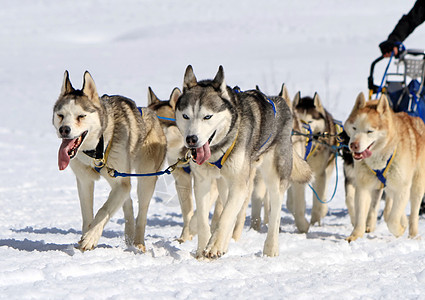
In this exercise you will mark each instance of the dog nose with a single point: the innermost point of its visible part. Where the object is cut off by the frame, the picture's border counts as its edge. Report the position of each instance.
(64, 131)
(354, 146)
(191, 140)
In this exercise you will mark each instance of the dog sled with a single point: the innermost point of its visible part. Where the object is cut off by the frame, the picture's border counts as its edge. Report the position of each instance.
(403, 82)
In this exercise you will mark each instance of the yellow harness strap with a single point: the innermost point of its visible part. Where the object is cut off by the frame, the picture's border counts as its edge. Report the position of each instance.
(220, 162)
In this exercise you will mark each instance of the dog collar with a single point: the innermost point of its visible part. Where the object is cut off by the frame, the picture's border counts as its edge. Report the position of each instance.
(382, 174)
(99, 156)
(96, 153)
(220, 162)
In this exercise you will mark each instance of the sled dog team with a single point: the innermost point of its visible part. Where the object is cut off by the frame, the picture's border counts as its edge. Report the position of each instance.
(240, 147)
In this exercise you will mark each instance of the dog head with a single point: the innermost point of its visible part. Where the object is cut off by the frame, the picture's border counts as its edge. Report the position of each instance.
(310, 111)
(203, 113)
(164, 109)
(76, 118)
(368, 126)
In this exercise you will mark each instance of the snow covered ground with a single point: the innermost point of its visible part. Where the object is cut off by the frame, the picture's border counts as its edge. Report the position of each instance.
(324, 46)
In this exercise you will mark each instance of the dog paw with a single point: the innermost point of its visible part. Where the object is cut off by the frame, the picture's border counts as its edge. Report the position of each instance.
(271, 250)
(351, 238)
(141, 247)
(90, 239)
(396, 229)
(212, 254)
(302, 225)
(184, 238)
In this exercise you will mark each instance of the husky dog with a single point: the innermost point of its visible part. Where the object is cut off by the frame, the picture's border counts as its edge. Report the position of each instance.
(259, 194)
(99, 134)
(319, 156)
(165, 109)
(232, 134)
(389, 152)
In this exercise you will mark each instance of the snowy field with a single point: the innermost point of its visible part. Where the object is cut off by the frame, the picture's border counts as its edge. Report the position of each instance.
(128, 45)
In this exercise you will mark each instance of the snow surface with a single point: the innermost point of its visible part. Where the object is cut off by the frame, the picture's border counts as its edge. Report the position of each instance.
(128, 45)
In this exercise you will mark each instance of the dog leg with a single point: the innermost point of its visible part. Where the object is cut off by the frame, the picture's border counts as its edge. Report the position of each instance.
(129, 222)
(388, 207)
(184, 191)
(119, 193)
(240, 219)
(145, 190)
(397, 221)
(218, 208)
(319, 209)
(416, 195)
(349, 198)
(373, 210)
(85, 193)
(362, 204)
(202, 189)
(298, 190)
(257, 200)
(237, 194)
(276, 190)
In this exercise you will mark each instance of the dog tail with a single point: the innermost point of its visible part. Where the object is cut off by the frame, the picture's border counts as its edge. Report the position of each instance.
(301, 171)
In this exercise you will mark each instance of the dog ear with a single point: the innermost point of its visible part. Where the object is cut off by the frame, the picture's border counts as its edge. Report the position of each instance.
(318, 103)
(66, 84)
(189, 78)
(360, 101)
(152, 98)
(285, 95)
(89, 88)
(383, 105)
(220, 83)
(175, 94)
(296, 100)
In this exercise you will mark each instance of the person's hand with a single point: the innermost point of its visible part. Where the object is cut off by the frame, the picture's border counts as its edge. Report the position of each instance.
(388, 54)
(387, 47)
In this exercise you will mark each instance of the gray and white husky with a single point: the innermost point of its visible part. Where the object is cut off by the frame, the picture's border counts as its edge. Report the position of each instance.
(100, 134)
(232, 135)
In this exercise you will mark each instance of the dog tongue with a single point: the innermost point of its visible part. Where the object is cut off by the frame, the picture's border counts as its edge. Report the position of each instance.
(203, 153)
(367, 153)
(63, 156)
(362, 155)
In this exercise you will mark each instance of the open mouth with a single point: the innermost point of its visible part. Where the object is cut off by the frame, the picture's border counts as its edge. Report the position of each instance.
(69, 149)
(203, 153)
(362, 155)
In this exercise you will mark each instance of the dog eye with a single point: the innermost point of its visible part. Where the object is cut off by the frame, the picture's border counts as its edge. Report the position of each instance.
(81, 117)
(207, 117)
(354, 128)
(369, 131)
(185, 116)
(60, 116)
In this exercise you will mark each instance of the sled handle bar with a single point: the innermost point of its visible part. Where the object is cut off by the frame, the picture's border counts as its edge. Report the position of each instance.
(373, 87)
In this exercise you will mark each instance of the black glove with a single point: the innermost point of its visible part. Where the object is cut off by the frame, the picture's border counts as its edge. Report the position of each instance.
(388, 46)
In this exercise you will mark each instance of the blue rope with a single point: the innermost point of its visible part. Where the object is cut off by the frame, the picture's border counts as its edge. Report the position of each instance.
(119, 174)
(336, 183)
(385, 75)
(168, 119)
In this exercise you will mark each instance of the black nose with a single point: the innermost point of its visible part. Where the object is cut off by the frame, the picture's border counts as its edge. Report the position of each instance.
(64, 131)
(191, 140)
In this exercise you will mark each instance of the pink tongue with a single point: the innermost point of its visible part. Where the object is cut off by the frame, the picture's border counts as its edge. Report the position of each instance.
(203, 153)
(362, 155)
(367, 153)
(63, 156)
